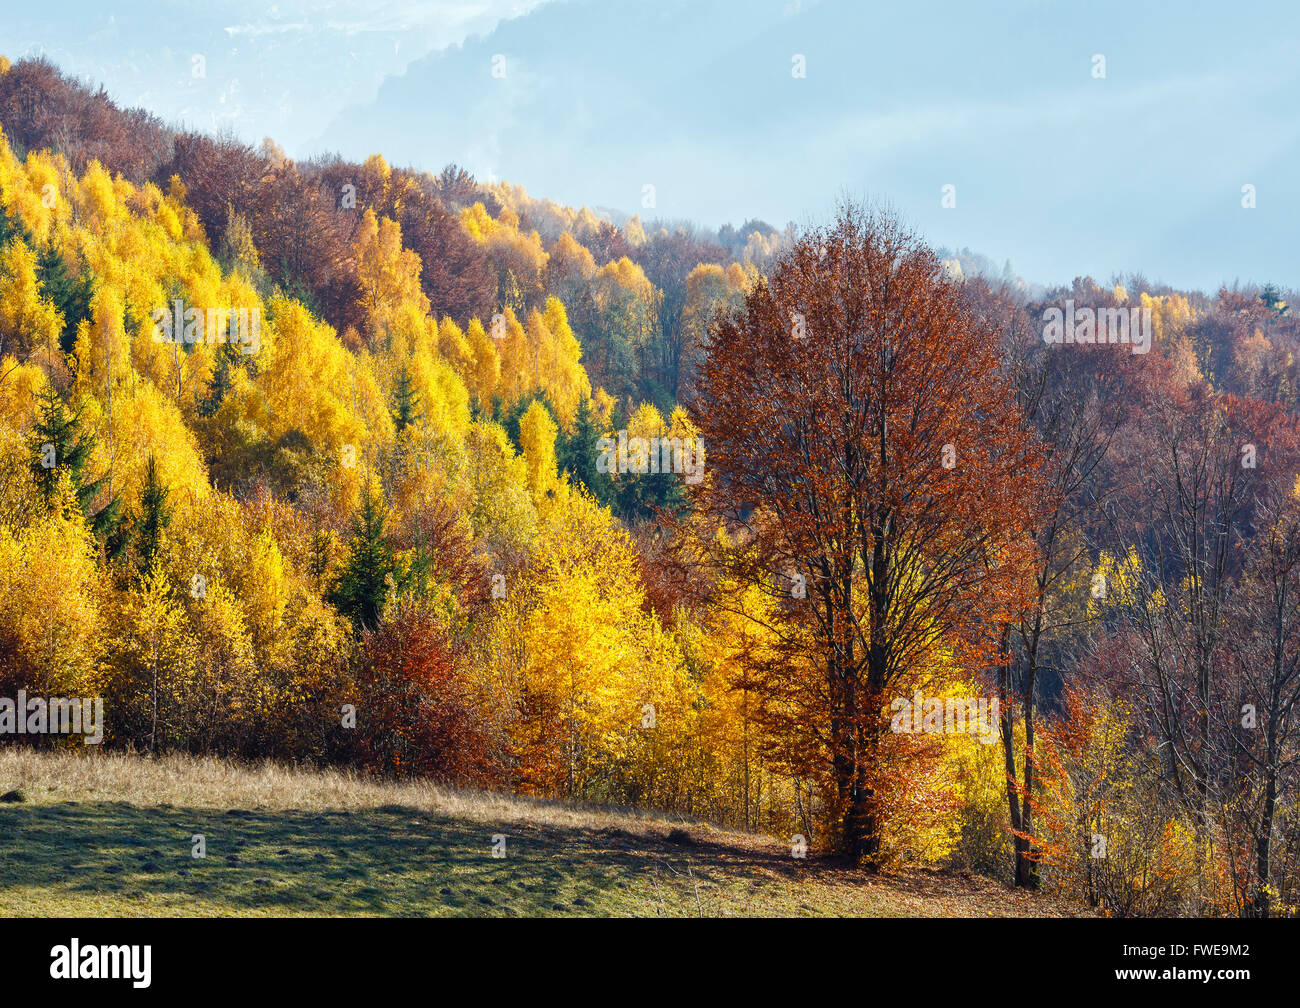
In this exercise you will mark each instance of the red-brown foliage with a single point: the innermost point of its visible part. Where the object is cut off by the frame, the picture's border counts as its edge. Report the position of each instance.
(860, 433)
(417, 713)
(42, 108)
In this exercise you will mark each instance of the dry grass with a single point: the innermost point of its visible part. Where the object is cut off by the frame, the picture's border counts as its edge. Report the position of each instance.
(204, 782)
(104, 834)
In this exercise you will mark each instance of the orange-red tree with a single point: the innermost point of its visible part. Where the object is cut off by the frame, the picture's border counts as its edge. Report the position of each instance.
(859, 435)
(417, 712)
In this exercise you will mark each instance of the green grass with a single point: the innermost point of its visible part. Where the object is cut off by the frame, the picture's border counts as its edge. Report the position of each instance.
(111, 835)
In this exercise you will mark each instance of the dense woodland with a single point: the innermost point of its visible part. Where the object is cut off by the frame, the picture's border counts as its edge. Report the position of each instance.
(378, 536)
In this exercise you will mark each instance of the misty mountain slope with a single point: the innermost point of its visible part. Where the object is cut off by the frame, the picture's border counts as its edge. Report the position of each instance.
(599, 100)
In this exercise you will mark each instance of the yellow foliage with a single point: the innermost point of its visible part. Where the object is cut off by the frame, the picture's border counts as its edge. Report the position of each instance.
(50, 604)
(1171, 314)
(388, 273)
(485, 373)
(501, 512)
(313, 384)
(145, 423)
(537, 438)
(27, 320)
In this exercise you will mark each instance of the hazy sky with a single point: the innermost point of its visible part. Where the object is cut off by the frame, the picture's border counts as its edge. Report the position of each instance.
(279, 69)
(1061, 171)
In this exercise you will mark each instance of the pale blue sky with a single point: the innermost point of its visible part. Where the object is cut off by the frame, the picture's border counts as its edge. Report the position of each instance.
(1061, 172)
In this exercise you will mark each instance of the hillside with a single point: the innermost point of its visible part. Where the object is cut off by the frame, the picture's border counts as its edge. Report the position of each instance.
(817, 530)
(111, 835)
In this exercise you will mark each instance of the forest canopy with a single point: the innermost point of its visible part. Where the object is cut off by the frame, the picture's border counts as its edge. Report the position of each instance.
(807, 531)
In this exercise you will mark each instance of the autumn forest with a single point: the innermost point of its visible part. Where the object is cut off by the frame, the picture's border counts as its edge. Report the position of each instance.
(816, 532)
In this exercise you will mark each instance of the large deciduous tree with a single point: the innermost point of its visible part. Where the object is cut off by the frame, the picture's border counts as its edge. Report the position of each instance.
(1207, 470)
(1078, 399)
(1265, 689)
(859, 434)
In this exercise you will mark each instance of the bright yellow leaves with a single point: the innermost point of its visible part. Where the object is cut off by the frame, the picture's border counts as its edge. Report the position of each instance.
(1171, 314)
(585, 681)
(265, 590)
(515, 358)
(509, 360)
(537, 438)
(442, 399)
(519, 258)
(389, 276)
(1112, 582)
(501, 511)
(34, 192)
(98, 201)
(454, 347)
(50, 619)
(19, 386)
(484, 372)
(710, 289)
(146, 422)
(561, 376)
(622, 287)
(103, 349)
(28, 323)
(478, 222)
(314, 385)
(1171, 317)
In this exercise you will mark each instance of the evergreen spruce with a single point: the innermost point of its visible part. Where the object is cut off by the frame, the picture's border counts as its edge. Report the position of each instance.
(577, 454)
(11, 229)
(406, 410)
(152, 521)
(227, 357)
(70, 295)
(59, 445)
(363, 586)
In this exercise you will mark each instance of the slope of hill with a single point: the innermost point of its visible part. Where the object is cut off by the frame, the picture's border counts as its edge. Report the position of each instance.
(591, 101)
(109, 835)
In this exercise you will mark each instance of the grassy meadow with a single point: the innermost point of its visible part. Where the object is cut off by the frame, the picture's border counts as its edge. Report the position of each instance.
(111, 835)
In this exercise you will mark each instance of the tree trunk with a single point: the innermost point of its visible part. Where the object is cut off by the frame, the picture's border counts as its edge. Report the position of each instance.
(1026, 869)
(153, 727)
(863, 823)
(1026, 864)
(1263, 843)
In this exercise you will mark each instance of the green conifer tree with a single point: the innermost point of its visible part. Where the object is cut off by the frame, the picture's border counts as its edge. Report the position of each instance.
(577, 454)
(363, 585)
(151, 523)
(70, 295)
(406, 409)
(59, 444)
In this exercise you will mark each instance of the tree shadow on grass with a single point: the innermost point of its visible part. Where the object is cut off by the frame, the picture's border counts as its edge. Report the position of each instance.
(392, 861)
